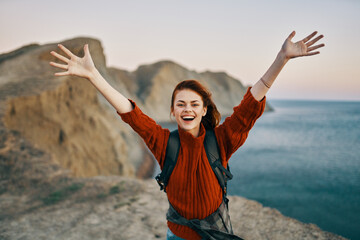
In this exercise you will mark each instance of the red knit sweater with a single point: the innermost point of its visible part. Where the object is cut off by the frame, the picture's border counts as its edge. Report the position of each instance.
(193, 189)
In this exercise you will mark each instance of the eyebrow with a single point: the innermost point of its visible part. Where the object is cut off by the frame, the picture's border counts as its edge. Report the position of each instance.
(191, 101)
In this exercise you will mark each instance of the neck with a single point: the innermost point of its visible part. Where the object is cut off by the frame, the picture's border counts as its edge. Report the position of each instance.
(195, 131)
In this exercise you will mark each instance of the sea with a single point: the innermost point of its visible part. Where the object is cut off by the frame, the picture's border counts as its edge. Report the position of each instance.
(303, 159)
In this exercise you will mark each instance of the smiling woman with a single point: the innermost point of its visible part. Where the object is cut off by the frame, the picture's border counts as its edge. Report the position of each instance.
(191, 104)
(193, 191)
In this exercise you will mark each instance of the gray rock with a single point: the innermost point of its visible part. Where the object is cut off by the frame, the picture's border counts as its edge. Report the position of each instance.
(137, 211)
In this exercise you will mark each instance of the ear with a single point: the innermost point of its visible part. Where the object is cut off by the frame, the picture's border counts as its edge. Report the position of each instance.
(205, 111)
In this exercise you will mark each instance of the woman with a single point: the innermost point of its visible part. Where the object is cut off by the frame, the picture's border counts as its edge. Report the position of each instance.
(193, 190)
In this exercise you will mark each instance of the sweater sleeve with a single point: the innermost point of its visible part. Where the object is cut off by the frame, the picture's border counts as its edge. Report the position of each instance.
(232, 133)
(153, 134)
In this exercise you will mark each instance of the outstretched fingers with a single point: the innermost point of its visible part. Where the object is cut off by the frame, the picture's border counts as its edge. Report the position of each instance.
(309, 37)
(65, 50)
(314, 40)
(315, 47)
(309, 45)
(86, 49)
(311, 53)
(292, 34)
(62, 66)
(62, 73)
(61, 57)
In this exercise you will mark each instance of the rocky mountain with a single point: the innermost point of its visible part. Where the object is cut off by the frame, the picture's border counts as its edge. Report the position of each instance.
(62, 116)
(153, 85)
(68, 163)
(69, 118)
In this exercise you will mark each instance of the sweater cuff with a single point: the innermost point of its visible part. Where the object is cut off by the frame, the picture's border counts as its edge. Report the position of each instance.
(250, 106)
(252, 100)
(133, 114)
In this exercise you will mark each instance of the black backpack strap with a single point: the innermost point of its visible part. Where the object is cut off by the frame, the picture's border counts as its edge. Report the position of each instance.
(213, 154)
(172, 152)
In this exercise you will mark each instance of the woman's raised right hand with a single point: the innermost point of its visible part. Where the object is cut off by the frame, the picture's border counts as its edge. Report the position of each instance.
(74, 66)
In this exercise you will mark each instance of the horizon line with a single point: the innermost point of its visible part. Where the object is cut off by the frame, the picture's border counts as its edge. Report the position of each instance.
(312, 100)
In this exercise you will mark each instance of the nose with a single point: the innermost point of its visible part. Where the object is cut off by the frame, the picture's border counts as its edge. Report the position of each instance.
(187, 108)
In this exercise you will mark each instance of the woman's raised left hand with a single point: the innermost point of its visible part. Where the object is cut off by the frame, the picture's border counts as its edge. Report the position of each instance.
(301, 48)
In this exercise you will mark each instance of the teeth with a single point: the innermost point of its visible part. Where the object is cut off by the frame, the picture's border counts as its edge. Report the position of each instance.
(188, 118)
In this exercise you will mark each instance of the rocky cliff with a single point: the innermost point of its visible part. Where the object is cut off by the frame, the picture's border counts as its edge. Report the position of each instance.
(67, 117)
(62, 148)
(62, 116)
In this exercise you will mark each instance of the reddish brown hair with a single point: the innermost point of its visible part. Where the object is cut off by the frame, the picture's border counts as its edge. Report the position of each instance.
(212, 117)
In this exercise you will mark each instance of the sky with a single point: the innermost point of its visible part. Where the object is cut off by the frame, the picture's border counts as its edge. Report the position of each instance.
(241, 38)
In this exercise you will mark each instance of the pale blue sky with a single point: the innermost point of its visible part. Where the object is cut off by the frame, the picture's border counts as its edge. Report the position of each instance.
(241, 38)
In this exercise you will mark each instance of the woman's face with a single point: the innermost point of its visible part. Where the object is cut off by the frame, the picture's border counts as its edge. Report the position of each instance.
(188, 110)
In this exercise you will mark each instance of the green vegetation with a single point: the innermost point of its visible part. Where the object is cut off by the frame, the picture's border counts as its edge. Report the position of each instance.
(62, 194)
(101, 196)
(134, 199)
(65, 192)
(117, 189)
(3, 190)
(114, 190)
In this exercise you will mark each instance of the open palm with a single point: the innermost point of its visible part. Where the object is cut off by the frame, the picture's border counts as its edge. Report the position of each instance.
(301, 48)
(74, 65)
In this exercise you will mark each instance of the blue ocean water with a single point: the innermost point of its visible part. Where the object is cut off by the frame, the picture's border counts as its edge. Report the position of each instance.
(304, 160)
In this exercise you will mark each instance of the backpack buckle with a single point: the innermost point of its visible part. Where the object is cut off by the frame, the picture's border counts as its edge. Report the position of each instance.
(160, 182)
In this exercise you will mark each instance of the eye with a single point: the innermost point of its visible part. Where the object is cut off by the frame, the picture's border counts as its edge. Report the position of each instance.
(195, 104)
(180, 104)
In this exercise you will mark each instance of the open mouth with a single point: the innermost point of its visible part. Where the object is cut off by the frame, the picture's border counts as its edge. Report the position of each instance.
(188, 118)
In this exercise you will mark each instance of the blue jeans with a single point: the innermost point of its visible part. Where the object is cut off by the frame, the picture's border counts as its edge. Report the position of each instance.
(171, 236)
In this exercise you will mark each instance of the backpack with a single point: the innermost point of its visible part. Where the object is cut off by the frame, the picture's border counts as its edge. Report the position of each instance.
(212, 153)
